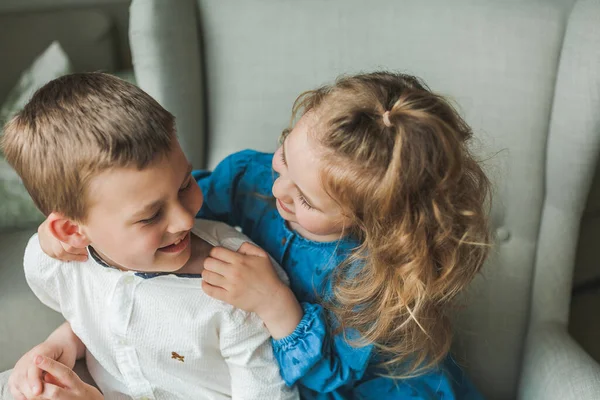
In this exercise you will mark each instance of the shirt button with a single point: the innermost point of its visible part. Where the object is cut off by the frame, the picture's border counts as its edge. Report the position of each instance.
(128, 279)
(122, 342)
(283, 241)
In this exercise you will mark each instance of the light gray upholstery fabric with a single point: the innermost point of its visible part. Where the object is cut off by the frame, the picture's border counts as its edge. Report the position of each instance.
(557, 368)
(24, 321)
(573, 145)
(4, 392)
(91, 49)
(498, 59)
(162, 28)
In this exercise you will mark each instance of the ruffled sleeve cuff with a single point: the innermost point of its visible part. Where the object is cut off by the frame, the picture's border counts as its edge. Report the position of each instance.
(300, 350)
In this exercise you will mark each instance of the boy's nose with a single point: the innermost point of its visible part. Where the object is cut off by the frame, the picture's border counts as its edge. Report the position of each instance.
(181, 220)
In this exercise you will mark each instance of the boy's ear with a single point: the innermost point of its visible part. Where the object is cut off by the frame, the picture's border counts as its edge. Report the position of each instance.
(67, 231)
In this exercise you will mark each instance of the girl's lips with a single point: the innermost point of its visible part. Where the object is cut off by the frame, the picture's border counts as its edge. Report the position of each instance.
(284, 207)
(177, 248)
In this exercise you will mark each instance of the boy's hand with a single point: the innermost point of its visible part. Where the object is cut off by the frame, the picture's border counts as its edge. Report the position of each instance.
(247, 280)
(57, 249)
(61, 383)
(26, 380)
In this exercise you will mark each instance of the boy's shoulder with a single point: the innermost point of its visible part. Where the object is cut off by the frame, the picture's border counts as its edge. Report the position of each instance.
(220, 234)
(35, 257)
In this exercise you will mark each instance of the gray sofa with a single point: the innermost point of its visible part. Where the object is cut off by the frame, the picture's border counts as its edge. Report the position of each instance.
(527, 77)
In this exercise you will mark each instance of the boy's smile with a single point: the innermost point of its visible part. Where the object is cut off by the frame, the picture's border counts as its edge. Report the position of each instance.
(178, 246)
(141, 219)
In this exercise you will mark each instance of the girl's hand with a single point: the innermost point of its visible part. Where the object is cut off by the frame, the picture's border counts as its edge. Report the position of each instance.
(61, 383)
(57, 249)
(247, 280)
(26, 381)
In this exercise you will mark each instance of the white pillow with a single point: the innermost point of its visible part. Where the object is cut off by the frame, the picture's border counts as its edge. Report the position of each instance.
(17, 210)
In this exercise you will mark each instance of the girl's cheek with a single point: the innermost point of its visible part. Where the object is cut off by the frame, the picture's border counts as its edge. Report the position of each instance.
(309, 222)
(317, 224)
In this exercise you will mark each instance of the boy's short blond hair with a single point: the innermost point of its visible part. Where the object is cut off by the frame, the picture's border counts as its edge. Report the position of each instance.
(77, 126)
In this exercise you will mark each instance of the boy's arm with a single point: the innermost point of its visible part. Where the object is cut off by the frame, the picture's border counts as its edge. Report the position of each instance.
(246, 347)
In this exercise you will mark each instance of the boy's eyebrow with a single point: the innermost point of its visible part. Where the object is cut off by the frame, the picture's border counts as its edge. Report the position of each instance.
(312, 203)
(156, 204)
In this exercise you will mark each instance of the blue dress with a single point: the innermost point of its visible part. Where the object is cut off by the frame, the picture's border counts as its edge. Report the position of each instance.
(324, 366)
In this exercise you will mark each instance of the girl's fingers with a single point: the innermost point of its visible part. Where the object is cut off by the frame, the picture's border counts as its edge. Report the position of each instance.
(73, 257)
(49, 378)
(249, 249)
(74, 250)
(214, 279)
(52, 392)
(19, 396)
(216, 266)
(63, 374)
(34, 381)
(214, 291)
(225, 255)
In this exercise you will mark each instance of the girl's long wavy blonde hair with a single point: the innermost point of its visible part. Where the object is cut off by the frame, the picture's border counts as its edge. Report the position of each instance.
(417, 200)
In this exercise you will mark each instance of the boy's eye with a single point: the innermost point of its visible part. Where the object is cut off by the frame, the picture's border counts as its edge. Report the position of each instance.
(152, 219)
(186, 186)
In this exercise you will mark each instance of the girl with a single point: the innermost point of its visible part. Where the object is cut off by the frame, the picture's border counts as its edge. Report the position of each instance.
(379, 219)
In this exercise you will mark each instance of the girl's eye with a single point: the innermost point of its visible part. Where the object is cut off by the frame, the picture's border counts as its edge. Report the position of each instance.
(304, 203)
(152, 219)
(282, 156)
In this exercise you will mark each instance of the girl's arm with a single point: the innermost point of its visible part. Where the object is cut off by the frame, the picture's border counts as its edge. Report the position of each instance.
(221, 188)
(323, 362)
(314, 357)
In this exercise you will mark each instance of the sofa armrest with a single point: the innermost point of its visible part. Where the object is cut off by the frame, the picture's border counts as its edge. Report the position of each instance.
(555, 367)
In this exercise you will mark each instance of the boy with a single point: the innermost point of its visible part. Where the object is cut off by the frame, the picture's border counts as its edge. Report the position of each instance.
(101, 159)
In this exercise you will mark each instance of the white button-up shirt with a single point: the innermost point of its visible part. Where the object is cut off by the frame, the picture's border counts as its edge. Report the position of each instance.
(160, 337)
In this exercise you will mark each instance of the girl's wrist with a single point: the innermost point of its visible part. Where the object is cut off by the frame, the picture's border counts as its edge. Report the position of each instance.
(282, 316)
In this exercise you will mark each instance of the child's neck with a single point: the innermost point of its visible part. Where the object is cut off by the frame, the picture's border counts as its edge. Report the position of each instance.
(194, 266)
(200, 250)
(332, 237)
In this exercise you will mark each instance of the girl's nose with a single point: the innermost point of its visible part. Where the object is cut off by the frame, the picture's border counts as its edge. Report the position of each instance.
(282, 190)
